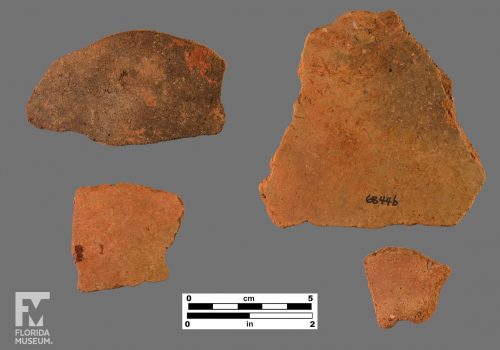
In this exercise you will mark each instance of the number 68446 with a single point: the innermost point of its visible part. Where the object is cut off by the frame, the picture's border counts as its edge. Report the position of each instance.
(382, 200)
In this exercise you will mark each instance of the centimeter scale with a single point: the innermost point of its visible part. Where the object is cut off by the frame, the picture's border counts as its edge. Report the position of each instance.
(249, 311)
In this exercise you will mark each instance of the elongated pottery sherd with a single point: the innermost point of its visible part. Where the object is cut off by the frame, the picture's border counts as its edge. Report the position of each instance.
(136, 87)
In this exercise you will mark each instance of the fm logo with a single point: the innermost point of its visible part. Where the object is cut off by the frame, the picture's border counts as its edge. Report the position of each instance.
(27, 313)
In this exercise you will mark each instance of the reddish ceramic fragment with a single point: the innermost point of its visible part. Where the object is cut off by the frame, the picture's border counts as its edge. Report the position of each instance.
(374, 140)
(404, 284)
(135, 87)
(121, 234)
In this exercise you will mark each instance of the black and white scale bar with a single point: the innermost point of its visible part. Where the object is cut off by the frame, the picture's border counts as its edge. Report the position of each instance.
(250, 315)
(249, 311)
(250, 306)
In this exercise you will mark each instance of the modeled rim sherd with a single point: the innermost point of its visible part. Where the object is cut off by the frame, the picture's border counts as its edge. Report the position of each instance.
(135, 87)
(374, 140)
(405, 285)
(121, 234)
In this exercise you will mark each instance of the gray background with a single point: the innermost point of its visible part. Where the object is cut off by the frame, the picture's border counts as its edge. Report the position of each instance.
(227, 242)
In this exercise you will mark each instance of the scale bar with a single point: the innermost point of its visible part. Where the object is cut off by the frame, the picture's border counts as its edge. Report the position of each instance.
(250, 311)
(250, 315)
(250, 306)
(215, 315)
(224, 307)
(299, 306)
(274, 306)
(281, 315)
(200, 306)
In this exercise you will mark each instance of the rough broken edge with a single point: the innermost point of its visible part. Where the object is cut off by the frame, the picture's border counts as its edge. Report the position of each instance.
(220, 114)
(449, 107)
(441, 283)
(75, 254)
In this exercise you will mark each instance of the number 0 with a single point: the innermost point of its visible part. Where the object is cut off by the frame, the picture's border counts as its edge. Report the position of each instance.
(188, 298)
(187, 324)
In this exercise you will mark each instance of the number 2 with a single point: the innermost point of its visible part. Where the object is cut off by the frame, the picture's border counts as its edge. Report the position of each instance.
(313, 324)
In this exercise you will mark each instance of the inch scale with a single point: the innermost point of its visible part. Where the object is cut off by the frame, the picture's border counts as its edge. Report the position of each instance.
(249, 311)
